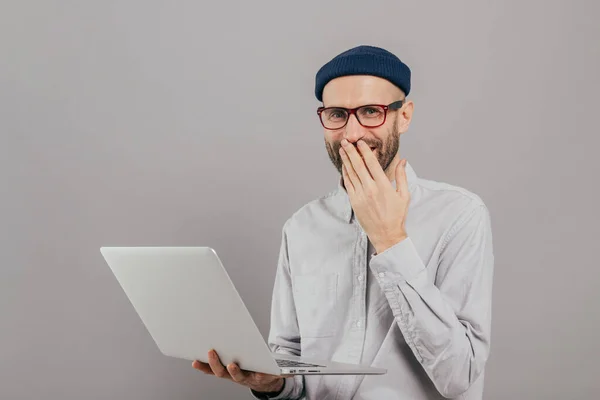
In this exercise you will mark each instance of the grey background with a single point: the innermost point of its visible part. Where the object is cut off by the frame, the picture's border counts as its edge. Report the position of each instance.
(192, 123)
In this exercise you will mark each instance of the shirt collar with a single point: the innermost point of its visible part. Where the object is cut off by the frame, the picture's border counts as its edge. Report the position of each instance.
(342, 206)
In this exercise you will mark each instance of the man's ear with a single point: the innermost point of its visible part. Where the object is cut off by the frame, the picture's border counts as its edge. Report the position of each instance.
(405, 116)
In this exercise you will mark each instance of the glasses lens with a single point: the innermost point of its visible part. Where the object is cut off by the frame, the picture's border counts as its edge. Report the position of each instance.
(370, 115)
(334, 118)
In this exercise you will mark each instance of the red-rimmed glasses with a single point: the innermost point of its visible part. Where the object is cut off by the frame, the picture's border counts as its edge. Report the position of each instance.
(369, 116)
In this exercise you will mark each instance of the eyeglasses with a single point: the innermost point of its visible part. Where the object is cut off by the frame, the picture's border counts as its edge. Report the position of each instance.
(369, 116)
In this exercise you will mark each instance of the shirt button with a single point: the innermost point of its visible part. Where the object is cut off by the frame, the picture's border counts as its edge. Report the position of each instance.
(358, 324)
(381, 274)
(360, 278)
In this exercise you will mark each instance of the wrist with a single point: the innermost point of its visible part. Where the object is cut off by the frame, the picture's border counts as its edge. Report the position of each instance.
(389, 242)
(273, 389)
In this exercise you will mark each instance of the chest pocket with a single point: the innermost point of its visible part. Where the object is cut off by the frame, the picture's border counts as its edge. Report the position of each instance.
(316, 304)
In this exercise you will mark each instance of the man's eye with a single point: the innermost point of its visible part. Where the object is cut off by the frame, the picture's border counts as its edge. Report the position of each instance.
(336, 114)
(370, 111)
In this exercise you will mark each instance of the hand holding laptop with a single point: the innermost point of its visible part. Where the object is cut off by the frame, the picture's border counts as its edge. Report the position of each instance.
(259, 382)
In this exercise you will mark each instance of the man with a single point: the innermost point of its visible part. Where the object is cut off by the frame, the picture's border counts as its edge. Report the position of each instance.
(389, 269)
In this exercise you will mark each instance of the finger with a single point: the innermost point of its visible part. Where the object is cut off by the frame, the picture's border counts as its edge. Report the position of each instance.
(349, 186)
(216, 366)
(350, 172)
(357, 162)
(237, 374)
(372, 163)
(401, 179)
(204, 367)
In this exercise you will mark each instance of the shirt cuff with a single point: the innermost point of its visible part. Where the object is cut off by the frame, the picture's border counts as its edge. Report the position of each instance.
(398, 263)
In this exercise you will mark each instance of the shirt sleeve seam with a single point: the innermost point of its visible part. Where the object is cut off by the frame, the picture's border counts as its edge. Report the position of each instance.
(460, 222)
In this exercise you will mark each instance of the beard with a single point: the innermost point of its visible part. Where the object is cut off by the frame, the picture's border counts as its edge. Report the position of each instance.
(384, 152)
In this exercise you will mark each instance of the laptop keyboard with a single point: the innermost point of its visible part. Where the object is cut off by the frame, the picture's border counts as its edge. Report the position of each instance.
(289, 363)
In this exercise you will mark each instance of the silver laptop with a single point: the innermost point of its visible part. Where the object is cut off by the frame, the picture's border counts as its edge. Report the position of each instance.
(189, 305)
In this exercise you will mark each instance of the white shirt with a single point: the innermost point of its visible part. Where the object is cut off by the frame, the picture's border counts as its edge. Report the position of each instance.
(421, 309)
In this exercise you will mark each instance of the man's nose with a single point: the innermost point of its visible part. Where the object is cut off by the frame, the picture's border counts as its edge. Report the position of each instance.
(353, 130)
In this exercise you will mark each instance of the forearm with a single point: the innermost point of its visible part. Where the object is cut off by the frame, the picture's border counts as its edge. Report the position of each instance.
(452, 351)
(446, 324)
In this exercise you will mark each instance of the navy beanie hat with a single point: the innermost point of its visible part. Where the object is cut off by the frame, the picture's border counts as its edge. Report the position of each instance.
(364, 60)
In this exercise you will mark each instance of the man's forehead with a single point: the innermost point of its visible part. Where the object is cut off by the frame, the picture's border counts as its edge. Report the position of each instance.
(354, 90)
